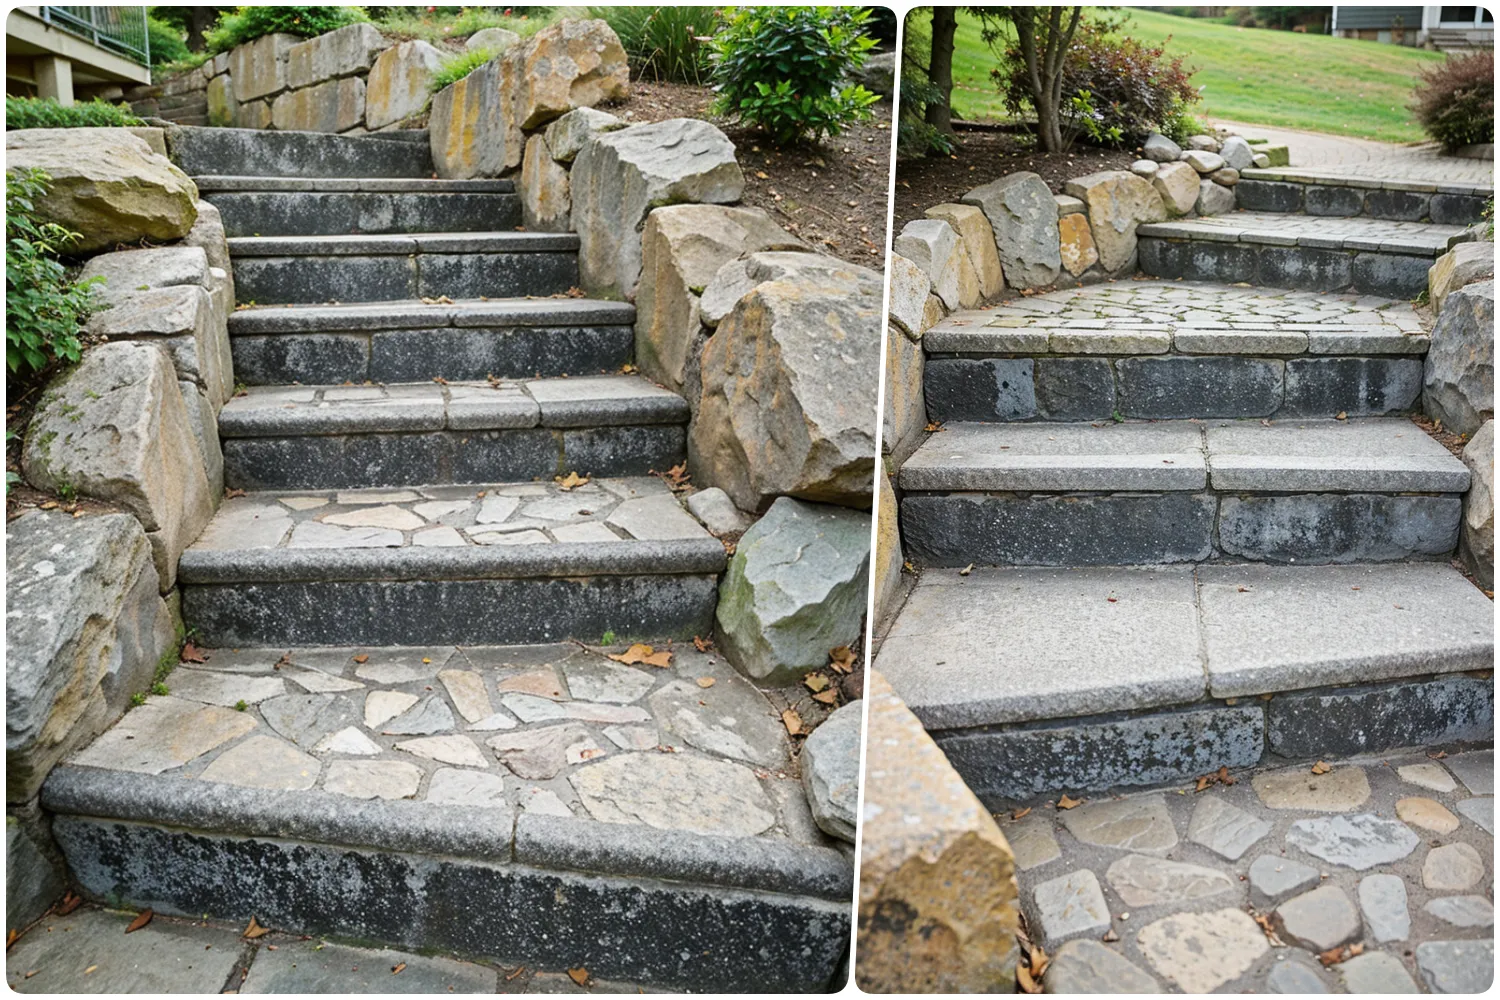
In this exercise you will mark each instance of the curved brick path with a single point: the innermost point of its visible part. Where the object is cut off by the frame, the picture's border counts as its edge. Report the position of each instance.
(1367, 158)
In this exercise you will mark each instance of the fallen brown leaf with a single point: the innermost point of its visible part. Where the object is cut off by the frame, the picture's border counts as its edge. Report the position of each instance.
(1225, 778)
(510, 976)
(579, 976)
(841, 658)
(701, 644)
(1024, 980)
(570, 482)
(1068, 803)
(255, 930)
(816, 682)
(1269, 930)
(70, 903)
(1321, 768)
(10, 937)
(829, 697)
(90, 970)
(1110, 935)
(141, 920)
(792, 721)
(706, 682)
(398, 968)
(362, 658)
(1021, 813)
(192, 654)
(642, 653)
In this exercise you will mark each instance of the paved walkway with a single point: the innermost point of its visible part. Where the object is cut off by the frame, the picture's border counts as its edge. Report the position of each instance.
(1372, 876)
(1368, 158)
(88, 951)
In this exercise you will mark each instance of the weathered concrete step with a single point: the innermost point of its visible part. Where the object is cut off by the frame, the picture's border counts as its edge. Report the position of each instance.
(1369, 256)
(239, 183)
(433, 563)
(241, 151)
(1036, 681)
(272, 270)
(1310, 491)
(369, 208)
(347, 437)
(1328, 192)
(411, 796)
(414, 341)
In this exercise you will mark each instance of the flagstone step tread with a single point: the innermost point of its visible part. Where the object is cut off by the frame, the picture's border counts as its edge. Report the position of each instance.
(1043, 644)
(402, 244)
(586, 401)
(602, 526)
(1320, 232)
(214, 183)
(1339, 177)
(416, 314)
(313, 213)
(1387, 455)
(214, 151)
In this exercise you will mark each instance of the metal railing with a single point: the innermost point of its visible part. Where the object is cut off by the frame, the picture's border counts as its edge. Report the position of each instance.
(121, 30)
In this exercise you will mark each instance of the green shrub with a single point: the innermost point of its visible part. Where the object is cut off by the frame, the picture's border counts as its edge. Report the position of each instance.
(1179, 125)
(663, 43)
(915, 137)
(43, 307)
(249, 23)
(167, 45)
(38, 112)
(785, 69)
(1455, 100)
(455, 68)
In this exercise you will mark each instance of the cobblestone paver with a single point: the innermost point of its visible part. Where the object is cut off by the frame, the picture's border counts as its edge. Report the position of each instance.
(1326, 865)
(1367, 158)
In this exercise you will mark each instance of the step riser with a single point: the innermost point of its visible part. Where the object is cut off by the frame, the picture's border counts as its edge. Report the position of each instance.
(462, 353)
(1163, 387)
(238, 151)
(354, 461)
(759, 942)
(1368, 272)
(451, 612)
(301, 213)
(1347, 202)
(388, 277)
(955, 530)
(1011, 764)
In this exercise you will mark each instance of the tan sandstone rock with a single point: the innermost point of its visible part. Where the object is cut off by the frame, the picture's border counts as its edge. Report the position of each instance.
(1177, 183)
(1076, 241)
(572, 64)
(1118, 201)
(545, 205)
(399, 83)
(978, 241)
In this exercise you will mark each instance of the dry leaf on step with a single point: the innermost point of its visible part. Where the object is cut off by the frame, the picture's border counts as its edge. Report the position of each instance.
(1321, 768)
(1068, 803)
(141, 920)
(642, 653)
(255, 930)
(792, 721)
(571, 481)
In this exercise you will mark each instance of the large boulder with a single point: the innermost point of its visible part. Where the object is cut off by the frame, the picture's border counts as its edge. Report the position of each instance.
(471, 129)
(910, 287)
(545, 205)
(938, 909)
(400, 83)
(683, 248)
(86, 627)
(567, 135)
(978, 241)
(830, 771)
(1237, 153)
(1023, 216)
(1177, 183)
(342, 52)
(107, 184)
(223, 109)
(1478, 542)
(492, 39)
(1465, 264)
(332, 106)
(618, 177)
(1458, 381)
(116, 428)
(878, 74)
(794, 590)
(573, 64)
(1117, 202)
(932, 245)
(789, 381)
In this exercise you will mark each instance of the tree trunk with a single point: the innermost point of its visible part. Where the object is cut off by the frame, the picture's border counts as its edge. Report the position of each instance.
(199, 20)
(940, 67)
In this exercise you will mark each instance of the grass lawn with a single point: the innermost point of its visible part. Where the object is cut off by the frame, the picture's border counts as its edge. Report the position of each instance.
(1313, 82)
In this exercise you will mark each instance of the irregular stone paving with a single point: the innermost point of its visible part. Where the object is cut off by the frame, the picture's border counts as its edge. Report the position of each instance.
(556, 729)
(1357, 233)
(600, 511)
(88, 952)
(1238, 888)
(1345, 156)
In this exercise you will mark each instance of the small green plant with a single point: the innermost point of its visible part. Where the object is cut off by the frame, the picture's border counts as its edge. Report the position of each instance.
(1117, 417)
(138, 699)
(37, 112)
(664, 43)
(159, 689)
(1089, 121)
(1178, 125)
(784, 69)
(249, 23)
(240, 705)
(609, 638)
(455, 68)
(44, 308)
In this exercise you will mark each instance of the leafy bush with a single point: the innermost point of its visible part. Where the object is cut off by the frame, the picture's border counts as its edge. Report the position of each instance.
(1179, 125)
(456, 67)
(167, 45)
(43, 307)
(663, 43)
(1455, 100)
(1133, 87)
(249, 23)
(784, 69)
(38, 112)
(914, 136)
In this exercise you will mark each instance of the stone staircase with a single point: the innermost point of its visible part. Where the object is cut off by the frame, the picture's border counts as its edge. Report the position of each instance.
(1183, 526)
(440, 475)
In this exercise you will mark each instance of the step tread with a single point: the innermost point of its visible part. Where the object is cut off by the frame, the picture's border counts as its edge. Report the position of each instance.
(1326, 232)
(414, 314)
(1055, 643)
(215, 183)
(1339, 177)
(607, 525)
(1380, 454)
(401, 244)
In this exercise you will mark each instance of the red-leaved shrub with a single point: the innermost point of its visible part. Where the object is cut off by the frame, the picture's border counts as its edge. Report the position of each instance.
(1455, 100)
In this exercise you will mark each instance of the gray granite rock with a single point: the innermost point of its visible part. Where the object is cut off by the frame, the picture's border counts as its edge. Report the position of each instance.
(594, 678)
(1069, 906)
(1084, 966)
(1319, 920)
(1274, 878)
(1360, 842)
(264, 762)
(830, 771)
(1376, 972)
(430, 715)
(1459, 374)
(1293, 975)
(675, 792)
(1463, 911)
(1382, 900)
(717, 512)
(1023, 215)
(1161, 149)
(540, 753)
(1452, 867)
(1481, 811)
(1140, 823)
(1225, 829)
(1237, 153)
(1457, 966)
(730, 719)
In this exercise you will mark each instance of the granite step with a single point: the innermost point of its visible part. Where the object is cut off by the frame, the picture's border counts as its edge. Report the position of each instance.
(285, 206)
(1296, 491)
(1328, 191)
(412, 341)
(426, 433)
(244, 151)
(513, 562)
(1321, 254)
(274, 270)
(411, 797)
(1092, 678)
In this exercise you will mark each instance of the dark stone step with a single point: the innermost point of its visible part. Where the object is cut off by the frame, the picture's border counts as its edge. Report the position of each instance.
(1324, 192)
(240, 151)
(331, 213)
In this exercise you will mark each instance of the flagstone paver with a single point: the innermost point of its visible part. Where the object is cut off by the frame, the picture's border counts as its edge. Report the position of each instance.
(1382, 900)
(1377, 972)
(1452, 866)
(1340, 790)
(1463, 911)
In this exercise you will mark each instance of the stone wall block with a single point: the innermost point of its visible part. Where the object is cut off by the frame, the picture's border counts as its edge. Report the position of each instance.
(399, 83)
(343, 52)
(1023, 215)
(259, 68)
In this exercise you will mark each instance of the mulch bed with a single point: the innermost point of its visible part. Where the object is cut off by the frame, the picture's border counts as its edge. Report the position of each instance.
(986, 155)
(831, 194)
